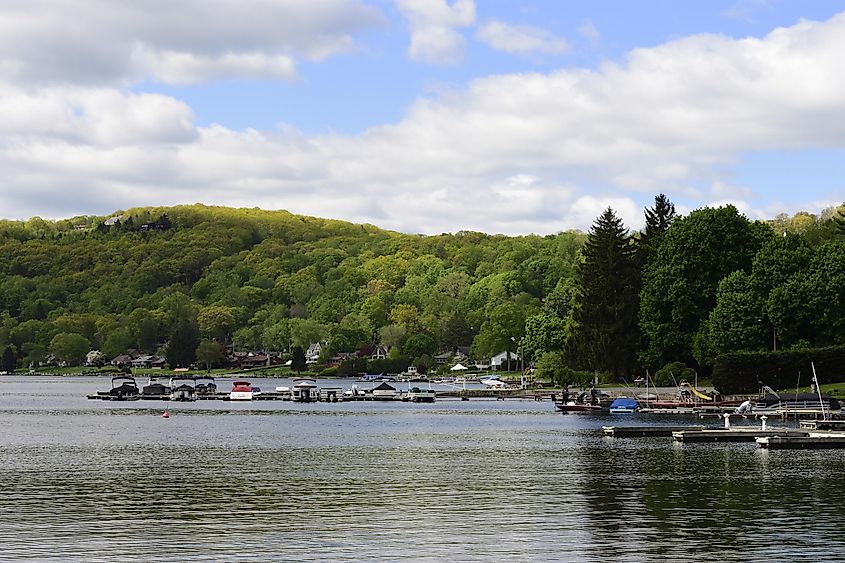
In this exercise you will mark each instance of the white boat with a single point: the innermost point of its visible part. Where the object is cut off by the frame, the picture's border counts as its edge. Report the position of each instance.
(417, 395)
(241, 391)
(305, 391)
(494, 382)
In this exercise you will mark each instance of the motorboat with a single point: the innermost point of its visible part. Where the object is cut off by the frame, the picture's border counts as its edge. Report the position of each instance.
(305, 391)
(205, 386)
(155, 389)
(795, 404)
(241, 391)
(124, 388)
(494, 382)
(624, 405)
(417, 395)
(183, 388)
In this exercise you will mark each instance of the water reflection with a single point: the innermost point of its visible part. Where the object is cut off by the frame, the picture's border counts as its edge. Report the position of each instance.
(456, 481)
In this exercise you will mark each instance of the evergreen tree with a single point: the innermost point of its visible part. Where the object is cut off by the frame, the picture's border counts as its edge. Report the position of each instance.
(8, 362)
(183, 343)
(607, 317)
(658, 219)
(298, 362)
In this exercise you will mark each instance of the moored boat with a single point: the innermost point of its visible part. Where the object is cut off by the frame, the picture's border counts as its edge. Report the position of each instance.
(305, 391)
(624, 405)
(123, 388)
(183, 388)
(205, 385)
(241, 391)
(417, 395)
(154, 389)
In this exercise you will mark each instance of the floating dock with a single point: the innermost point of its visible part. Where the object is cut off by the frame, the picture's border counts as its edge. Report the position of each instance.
(814, 441)
(647, 431)
(735, 434)
(816, 424)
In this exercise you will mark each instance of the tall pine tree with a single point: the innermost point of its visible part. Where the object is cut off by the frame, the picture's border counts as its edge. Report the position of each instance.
(658, 219)
(607, 316)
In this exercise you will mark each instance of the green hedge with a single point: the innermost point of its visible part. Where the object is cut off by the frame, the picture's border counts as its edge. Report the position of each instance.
(740, 372)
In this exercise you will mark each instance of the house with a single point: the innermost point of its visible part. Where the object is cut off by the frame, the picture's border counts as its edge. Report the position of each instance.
(125, 360)
(441, 359)
(340, 358)
(94, 358)
(253, 360)
(500, 360)
(380, 352)
(147, 362)
(312, 355)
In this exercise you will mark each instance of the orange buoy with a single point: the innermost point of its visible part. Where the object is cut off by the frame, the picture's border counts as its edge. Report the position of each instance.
(165, 414)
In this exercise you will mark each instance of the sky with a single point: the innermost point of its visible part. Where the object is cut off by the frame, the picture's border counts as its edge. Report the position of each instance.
(422, 116)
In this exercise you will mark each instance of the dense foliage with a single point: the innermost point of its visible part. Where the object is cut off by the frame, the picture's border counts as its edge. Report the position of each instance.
(162, 279)
(194, 283)
(745, 372)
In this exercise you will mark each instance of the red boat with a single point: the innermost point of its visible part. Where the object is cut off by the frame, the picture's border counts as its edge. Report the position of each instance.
(241, 391)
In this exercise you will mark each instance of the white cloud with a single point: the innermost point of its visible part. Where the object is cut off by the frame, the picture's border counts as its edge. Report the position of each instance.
(100, 42)
(434, 24)
(514, 153)
(520, 39)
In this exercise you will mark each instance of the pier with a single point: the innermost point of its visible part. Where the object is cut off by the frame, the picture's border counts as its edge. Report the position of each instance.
(647, 431)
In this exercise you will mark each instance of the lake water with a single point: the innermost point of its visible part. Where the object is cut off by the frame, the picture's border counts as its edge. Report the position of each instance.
(461, 481)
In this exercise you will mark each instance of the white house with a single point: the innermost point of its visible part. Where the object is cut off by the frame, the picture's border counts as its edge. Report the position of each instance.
(313, 353)
(500, 360)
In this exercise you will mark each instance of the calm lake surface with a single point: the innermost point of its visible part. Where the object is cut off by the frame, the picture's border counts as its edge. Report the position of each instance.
(461, 481)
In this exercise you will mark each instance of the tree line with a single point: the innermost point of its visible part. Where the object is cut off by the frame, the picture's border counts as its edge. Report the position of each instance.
(188, 282)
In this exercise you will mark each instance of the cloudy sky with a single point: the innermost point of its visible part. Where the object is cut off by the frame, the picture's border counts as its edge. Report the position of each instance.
(424, 116)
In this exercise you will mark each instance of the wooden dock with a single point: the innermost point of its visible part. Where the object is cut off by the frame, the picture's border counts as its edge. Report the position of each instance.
(816, 424)
(736, 434)
(647, 431)
(812, 442)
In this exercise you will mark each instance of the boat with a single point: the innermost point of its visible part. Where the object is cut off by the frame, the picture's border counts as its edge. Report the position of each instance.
(305, 391)
(205, 386)
(241, 391)
(494, 382)
(124, 388)
(417, 395)
(384, 392)
(795, 404)
(590, 401)
(624, 405)
(154, 389)
(183, 388)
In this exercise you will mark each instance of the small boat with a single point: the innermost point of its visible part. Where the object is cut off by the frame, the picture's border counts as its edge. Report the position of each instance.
(494, 382)
(241, 391)
(124, 388)
(624, 405)
(154, 389)
(183, 388)
(205, 386)
(417, 395)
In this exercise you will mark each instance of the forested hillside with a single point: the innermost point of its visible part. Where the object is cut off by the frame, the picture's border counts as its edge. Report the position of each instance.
(184, 280)
(267, 280)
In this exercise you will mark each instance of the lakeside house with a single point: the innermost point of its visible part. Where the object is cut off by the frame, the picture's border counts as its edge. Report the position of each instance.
(500, 360)
(312, 355)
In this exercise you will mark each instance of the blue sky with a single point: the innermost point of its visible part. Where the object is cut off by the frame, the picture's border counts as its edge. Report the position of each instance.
(422, 115)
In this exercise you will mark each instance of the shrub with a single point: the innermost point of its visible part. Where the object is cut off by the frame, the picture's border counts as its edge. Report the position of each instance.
(672, 373)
